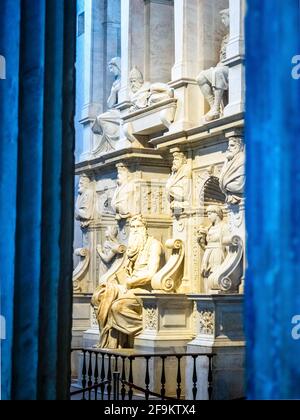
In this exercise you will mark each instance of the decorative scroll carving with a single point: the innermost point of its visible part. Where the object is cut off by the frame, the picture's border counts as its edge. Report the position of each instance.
(207, 322)
(168, 279)
(228, 276)
(81, 270)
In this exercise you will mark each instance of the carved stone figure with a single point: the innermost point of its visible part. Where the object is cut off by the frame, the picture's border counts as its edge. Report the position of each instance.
(144, 94)
(84, 208)
(179, 184)
(118, 310)
(214, 81)
(222, 263)
(109, 251)
(214, 241)
(107, 125)
(123, 199)
(232, 176)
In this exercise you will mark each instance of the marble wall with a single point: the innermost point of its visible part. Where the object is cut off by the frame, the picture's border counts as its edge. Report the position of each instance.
(172, 149)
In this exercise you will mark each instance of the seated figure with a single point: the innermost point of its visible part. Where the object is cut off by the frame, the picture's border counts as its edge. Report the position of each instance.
(118, 310)
(214, 81)
(144, 94)
(107, 125)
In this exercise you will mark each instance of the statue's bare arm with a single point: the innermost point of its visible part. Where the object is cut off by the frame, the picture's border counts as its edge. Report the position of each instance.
(152, 268)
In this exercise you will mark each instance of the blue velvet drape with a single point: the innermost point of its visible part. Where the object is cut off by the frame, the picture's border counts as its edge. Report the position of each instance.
(273, 199)
(37, 39)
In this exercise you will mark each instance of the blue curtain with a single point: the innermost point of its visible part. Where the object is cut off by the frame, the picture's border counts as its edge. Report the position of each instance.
(37, 39)
(273, 199)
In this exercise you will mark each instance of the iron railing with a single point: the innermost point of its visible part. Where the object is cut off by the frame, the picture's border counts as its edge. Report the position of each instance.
(109, 375)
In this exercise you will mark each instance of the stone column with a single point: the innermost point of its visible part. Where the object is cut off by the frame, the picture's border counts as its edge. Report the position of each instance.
(159, 40)
(197, 43)
(93, 65)
(147, 41)
(187, 64)
(235, 58)
(132, 41)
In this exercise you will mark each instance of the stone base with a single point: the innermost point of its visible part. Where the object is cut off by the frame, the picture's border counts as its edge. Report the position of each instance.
(167, 323)
(167, 329)
(91, 338)
(219, 331)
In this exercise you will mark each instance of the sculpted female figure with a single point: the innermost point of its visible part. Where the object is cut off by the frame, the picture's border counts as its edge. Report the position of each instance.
(107, 125)
(214, 241)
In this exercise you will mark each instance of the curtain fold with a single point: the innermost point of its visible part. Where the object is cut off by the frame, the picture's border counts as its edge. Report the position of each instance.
(36, 167)
(272, 199)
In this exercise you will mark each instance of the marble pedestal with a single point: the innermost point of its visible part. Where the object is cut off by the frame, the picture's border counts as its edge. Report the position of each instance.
(219, 326)
(167, 329)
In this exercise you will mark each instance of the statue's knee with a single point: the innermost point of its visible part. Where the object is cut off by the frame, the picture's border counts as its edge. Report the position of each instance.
(116, 307)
